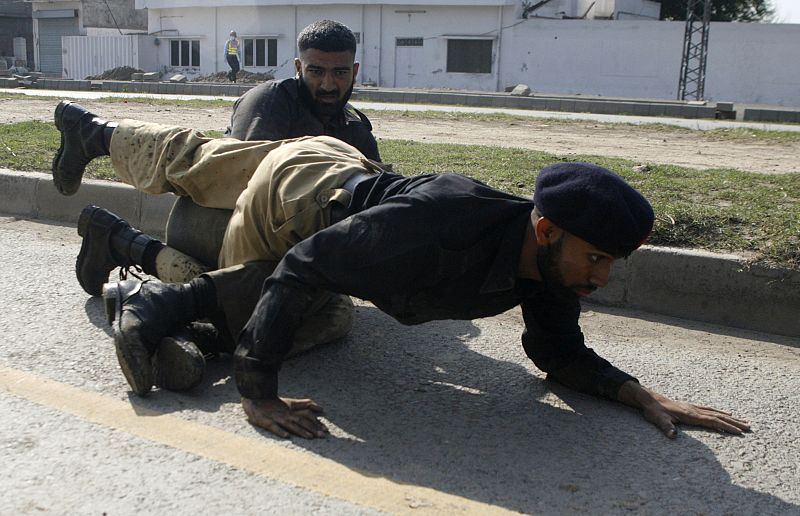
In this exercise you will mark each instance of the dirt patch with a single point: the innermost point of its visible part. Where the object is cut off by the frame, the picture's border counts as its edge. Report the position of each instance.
(121, 73)
(641, 144)
(570, 139)
(242, 76)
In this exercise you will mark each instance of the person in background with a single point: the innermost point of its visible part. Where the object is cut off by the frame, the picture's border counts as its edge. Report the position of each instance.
(232, 53)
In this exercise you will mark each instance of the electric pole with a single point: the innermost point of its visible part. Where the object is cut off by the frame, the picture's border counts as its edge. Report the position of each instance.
(692, 81)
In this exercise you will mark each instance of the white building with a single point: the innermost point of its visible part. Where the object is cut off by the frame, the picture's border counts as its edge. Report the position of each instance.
(452, 43)
(562, 47)
(54, 19)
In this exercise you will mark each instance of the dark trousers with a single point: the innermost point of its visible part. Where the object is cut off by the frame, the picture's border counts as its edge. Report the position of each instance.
(233, 62)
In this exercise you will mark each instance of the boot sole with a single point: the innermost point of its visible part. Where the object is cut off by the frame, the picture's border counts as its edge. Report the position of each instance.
(178, 365)
(85, 218)
(110, 295)
(57, 116)
(88, 280)
(59, 112)
(133, 357)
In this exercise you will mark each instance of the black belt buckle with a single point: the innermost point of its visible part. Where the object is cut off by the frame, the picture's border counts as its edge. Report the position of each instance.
(339, 211)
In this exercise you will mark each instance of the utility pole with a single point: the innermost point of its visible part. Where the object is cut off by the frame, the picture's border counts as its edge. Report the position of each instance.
(692, 81)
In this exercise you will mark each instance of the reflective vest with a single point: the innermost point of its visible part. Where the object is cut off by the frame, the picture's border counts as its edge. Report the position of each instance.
(233, 47)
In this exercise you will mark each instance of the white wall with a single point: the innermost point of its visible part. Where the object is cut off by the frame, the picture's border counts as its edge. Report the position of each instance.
(426, 66)
(746, 62)
(211, 26)
(756, 63)
(92, 55)
(630, 58)
(594, 57)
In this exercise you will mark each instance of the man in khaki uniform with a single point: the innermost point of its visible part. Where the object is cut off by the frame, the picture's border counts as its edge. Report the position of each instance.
(313, 103)
(295, 189)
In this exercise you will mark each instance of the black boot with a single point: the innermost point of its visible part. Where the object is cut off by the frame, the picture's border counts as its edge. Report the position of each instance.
(178, 363)
(83, 138)
(108, 242)
(144, 313)
(180, 359)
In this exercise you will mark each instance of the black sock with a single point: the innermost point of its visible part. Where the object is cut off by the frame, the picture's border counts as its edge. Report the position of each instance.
(108, 132)
(205, 296)
(149, 256)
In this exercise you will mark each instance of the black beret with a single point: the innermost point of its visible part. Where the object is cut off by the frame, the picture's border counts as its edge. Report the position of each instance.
(594, 204)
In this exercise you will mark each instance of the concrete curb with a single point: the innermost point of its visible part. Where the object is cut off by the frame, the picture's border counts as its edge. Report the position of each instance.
(697, 285)
(33, 195)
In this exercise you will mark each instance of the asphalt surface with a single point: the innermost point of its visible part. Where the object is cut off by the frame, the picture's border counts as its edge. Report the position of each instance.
(445, 417)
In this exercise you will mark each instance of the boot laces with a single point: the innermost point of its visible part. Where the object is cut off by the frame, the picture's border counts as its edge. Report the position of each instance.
(129, 269)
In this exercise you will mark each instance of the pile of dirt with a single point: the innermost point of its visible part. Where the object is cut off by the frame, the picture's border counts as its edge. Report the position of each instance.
(241, 77)
(121, 73)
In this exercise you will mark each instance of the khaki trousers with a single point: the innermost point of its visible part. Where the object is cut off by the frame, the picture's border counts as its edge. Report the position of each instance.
(281, 193)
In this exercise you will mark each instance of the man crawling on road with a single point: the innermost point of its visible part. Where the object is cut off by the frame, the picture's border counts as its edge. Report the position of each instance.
(315, 221)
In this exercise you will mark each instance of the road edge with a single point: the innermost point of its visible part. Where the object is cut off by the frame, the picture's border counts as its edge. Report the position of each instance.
(691, 284)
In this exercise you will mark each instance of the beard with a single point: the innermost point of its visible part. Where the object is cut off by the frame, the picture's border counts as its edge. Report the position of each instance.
(320, 108)
(547, 258)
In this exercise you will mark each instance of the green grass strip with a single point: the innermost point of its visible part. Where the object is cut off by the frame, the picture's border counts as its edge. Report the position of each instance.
(720, 210)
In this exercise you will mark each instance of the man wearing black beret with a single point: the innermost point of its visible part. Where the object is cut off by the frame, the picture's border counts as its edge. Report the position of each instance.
(316, 216)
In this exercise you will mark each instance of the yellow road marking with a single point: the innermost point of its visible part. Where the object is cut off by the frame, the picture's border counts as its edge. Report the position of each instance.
(256, 456)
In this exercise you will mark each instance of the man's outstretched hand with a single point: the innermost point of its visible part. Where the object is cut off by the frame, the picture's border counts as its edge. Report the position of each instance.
(665, 413)
(286, 416)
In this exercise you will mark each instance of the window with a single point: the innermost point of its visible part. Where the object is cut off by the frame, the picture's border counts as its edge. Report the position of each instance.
(184, 52)
(469, 55)
(409, 42)
(260, 52)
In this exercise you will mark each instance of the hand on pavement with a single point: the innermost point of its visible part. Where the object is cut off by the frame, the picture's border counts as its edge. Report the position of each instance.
(665, 413)
(286, 416)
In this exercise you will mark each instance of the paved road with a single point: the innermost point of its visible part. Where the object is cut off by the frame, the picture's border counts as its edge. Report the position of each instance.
(440, 418)
(699, 124)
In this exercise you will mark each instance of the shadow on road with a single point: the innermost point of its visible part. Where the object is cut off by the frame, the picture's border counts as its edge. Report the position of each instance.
(424, 405)
(96, 312)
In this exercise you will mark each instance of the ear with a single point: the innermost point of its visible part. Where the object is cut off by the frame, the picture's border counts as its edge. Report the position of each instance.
(355, 71)
(546, 232)
(298, 65)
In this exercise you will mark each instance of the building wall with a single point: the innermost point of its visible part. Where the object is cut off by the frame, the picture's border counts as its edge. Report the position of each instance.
(594, 57)
(16, 22)
(113, 14)
(211, 27)
(423, 67)
(93, 55)
(625, 58)
(11, 28)
(754, 62)
(746, 62)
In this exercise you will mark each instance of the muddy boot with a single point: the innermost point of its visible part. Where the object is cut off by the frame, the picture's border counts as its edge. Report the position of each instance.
(178, 363)
(83, 138)
(180, 360)
(144, 313)
(208, 339)
(108, 242)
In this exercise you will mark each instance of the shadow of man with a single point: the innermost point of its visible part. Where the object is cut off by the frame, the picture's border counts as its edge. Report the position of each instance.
(457, 407)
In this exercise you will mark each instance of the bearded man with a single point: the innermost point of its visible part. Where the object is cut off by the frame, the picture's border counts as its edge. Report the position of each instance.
(315, 101)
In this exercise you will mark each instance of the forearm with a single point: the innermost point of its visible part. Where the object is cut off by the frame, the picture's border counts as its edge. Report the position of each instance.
(266, 339)
(635, 395)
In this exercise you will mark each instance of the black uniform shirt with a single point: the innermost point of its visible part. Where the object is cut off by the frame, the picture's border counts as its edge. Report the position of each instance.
(278, 110)
(422, 248)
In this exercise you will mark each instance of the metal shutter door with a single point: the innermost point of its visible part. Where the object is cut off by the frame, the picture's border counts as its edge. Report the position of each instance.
(50, 32)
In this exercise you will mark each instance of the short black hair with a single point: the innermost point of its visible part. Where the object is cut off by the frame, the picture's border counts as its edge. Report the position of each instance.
(328, 36)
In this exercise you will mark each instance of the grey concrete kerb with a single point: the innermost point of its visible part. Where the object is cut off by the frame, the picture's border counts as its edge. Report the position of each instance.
(696, 285)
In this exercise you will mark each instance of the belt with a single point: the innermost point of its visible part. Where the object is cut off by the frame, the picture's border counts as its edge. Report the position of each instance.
(350, 184)
(339, 211)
